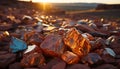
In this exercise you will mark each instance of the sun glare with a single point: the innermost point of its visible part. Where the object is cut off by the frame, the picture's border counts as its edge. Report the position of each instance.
(41, 0)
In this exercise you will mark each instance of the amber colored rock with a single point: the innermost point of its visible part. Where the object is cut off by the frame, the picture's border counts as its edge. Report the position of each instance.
(70, 57)
(77, 43)
(33, 38)
(53, 45)
(78, 66)
(33, 60)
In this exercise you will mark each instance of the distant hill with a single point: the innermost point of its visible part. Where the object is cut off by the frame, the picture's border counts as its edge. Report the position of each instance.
(75, 6)
(107, 7)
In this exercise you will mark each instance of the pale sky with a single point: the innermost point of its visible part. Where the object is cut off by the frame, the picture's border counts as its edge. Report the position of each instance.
(72, 1)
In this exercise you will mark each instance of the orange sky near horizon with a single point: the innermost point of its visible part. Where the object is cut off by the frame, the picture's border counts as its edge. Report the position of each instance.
(74, 1)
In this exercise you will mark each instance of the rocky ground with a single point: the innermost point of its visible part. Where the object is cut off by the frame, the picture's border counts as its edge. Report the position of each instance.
(30, 39)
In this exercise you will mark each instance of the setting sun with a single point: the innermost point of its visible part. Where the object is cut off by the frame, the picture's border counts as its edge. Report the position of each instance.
(41, 0)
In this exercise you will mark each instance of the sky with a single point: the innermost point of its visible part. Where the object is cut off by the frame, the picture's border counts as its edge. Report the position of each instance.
(72, 1)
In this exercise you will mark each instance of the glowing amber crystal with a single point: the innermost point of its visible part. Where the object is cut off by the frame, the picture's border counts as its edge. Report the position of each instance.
(70, 57)
(77, 43)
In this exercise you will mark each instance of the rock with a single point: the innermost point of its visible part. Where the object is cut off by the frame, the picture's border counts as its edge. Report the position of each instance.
(60, 65)
(106, 66)
(33, 60)
(33, 38)
(110, 52)
(17, 45)
(6, 59)
(31, 68)
(91, 58)
(78, 66)
(70, 57)
(54, 63)
(99, 43)
(88, 36)
(108, 59)
(3, 52)
(4, 38)
(5, 26)
(15, 66)
(32, 49)
(77, 43)
(85, 28)
(53, 45)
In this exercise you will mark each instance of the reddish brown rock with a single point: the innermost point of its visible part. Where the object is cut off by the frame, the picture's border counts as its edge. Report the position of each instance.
(16, 65)
(31, 68)
(6, 59)
(60, 65)
(33, 60)
(53, 45)
(106, 66)
(77, 43)
(55, 62)
(5, 26)
(33, 38)
(91, 58)
(78, 66)
(70, 57)
(88, 36)
(31, 49)
(98, 44)
(85, 28)
(108, 59)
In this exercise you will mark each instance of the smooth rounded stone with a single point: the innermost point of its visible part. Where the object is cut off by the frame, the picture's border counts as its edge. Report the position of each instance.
(53, 45)
(70, 57)
(77, 43)
(60, 65)
(16, 65)
(106, 66)
(78, 66)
